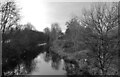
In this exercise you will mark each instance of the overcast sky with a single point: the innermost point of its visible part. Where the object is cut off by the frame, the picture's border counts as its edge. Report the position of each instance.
(42, 13)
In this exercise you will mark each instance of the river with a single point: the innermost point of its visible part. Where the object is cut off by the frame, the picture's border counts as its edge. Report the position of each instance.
(43, 67)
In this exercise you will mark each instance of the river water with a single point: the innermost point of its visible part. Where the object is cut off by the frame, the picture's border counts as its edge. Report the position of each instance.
(45, 68)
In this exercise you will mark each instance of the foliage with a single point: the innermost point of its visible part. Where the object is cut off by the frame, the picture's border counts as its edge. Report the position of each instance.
(19, 42)
(97, 33)
(21, 48)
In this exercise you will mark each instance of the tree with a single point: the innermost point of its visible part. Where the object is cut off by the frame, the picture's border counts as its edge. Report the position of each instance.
(28, 26)
(102, 21)
(74, 34)
(72, 28)
(54, 32)
(9, 16)
(47, 31)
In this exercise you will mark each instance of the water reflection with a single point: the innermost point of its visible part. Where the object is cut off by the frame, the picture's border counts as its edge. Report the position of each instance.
(45, 66)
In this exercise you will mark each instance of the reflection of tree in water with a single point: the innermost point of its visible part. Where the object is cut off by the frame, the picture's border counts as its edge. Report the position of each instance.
(71, 67)
(55, 59)
(56, 65)
(47, 57)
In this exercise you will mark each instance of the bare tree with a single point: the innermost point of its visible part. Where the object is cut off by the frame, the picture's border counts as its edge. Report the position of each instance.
(102, 20)
(9, 16)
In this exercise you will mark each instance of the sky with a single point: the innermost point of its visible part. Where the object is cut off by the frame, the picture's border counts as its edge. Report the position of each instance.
(42, 13)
